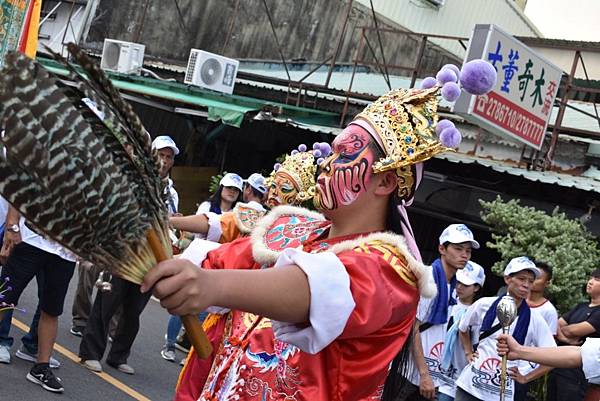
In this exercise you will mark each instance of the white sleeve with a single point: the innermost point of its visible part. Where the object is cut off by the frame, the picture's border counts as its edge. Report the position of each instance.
(214, 227)
(331, 301)
(590, 356)
(424, 308)
(470, 317)
(198, 249)
(203, 208)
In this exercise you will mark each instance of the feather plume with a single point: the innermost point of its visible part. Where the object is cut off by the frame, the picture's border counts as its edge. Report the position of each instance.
(67, 170)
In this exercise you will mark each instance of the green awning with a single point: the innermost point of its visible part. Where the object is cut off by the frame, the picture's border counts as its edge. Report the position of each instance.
(230, 109)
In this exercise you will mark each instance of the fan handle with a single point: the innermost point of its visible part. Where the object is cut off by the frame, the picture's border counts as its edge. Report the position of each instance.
(192, 325)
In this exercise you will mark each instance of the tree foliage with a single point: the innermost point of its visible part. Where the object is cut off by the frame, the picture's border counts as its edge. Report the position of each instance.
(563, 243)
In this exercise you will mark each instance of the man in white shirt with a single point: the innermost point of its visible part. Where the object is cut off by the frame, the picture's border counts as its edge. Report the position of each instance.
(30, 255)
(424, 373)
(167, 150)
(480, 379)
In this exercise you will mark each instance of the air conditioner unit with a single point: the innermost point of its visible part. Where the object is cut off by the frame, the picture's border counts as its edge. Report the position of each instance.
(123, 57)
(211, 71)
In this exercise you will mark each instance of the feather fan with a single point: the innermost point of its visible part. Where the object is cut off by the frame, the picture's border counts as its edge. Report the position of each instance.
(67, 168)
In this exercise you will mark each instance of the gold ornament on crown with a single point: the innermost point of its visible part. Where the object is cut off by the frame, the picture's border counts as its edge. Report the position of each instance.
(302, 168)
(405, 120)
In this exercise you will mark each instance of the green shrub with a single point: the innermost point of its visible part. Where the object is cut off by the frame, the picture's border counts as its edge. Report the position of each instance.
(556, 239)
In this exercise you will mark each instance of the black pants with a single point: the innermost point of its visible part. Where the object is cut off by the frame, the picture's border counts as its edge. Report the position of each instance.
(565, 387)
(105, 305)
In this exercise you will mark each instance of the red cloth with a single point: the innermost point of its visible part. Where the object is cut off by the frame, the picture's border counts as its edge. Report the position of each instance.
(253, 364)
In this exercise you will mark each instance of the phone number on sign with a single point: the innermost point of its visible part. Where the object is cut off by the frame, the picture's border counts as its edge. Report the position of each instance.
(510, 117)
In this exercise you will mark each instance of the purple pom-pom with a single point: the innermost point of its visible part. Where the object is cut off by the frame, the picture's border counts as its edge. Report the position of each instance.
(6, 279)
(428, 83)
(478, 77)
(317, 153)
(294, 152)
(320, 161)
(325, 149)
(316, 145)
(302, 147)
(452, 67)
(442, 125)
(276, 166)
(446, 75)
(450, 91)
(450, 137)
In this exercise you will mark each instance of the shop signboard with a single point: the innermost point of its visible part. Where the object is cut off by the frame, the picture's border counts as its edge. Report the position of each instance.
(520, 105)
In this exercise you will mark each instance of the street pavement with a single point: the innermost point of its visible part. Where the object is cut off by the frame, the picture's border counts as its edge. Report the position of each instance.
(154, 378)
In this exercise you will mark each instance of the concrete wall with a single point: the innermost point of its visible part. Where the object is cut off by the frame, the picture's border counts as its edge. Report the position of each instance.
(308, 30)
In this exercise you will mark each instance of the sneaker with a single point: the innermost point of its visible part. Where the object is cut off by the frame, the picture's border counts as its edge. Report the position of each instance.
(183, 344)
(125, 368)
(4, 354)
(24, 354)
(92, 365)
(168, 353)
(77, 331)
(42, 375)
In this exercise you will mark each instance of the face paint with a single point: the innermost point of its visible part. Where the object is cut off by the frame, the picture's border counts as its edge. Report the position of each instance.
(347, 172)
(282, 191)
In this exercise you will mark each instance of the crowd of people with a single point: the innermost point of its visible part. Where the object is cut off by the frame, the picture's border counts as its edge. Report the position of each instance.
(306, 305)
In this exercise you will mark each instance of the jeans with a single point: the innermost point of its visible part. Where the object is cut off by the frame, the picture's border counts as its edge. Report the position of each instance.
(174, 326)
(30, 339)
(444, 397)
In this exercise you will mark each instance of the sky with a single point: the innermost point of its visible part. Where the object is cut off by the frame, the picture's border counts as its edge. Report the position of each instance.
(566, 19)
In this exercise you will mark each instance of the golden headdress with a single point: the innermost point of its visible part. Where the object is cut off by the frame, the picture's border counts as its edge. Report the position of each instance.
(405, 121)
(301, 167)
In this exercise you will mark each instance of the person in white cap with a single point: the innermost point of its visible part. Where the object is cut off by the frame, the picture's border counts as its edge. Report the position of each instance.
(424, 375)
(480, 379)
(167, 150)
(227, 195)
(254, 189)
(469, 282)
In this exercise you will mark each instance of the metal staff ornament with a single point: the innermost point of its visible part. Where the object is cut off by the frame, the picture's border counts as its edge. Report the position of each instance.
(506, 312)
(78, 165)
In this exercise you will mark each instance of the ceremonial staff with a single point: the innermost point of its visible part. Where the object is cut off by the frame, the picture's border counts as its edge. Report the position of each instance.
(78, 164)
(506, 311)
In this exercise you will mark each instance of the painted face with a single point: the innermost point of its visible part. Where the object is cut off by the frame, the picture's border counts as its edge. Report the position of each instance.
(283, 190)
(346, 174)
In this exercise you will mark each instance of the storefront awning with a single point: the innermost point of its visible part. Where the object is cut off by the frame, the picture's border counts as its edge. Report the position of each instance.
(230, 109)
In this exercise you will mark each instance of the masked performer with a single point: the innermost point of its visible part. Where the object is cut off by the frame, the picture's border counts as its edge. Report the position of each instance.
(320, 304)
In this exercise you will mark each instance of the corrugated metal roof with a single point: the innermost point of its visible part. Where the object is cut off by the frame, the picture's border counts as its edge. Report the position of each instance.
(586, 183)
(455, 18)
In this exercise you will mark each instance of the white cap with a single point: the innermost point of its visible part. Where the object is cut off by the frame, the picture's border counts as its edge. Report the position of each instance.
(519, 264)
(232, 180)
(257, 181)
(457, 234)
(471, 274)
(165, 141)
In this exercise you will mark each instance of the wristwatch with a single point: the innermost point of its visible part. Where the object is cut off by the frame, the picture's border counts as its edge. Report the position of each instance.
(14, 228)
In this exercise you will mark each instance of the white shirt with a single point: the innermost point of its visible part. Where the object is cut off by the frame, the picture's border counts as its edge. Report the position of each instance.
(590, 356)
(432, 341)
(481, 378)
(550, 315)
(459, 360)
(203, 208)
(173, 197)
(30, 237)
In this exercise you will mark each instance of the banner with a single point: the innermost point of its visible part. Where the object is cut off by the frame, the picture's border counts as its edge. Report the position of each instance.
(19, 24)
